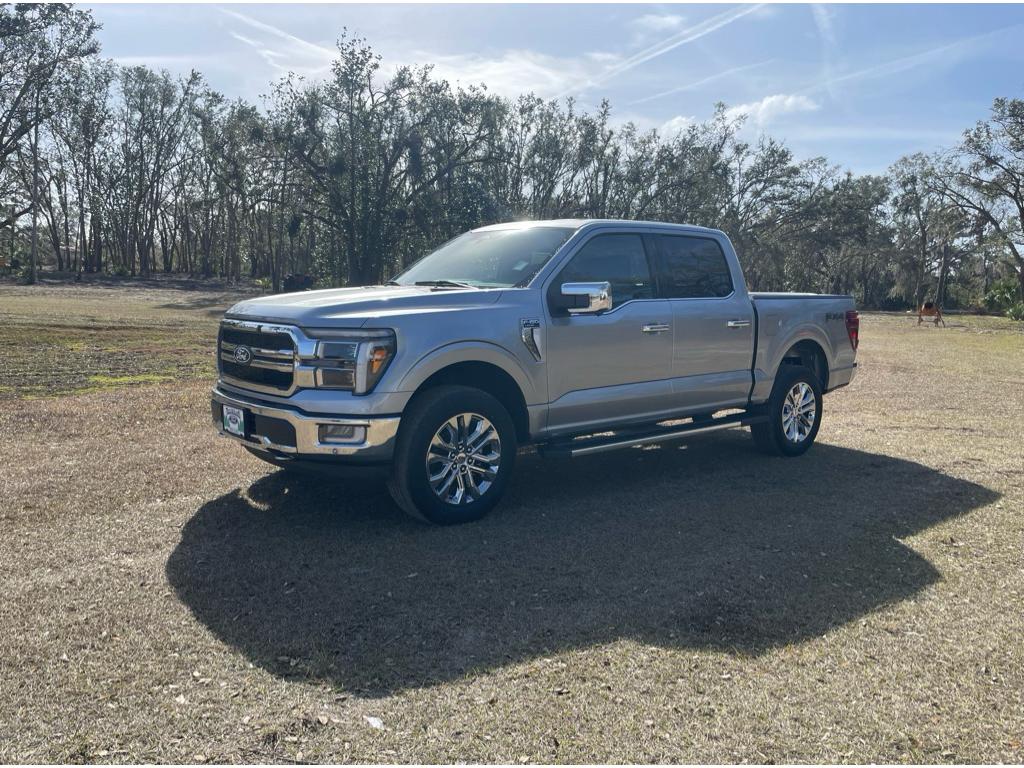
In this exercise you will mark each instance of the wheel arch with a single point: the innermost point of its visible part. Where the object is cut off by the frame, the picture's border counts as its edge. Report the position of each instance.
(483, 368)
(811, 354)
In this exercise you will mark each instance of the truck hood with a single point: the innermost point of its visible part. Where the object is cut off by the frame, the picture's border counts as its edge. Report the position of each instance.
(355, 307)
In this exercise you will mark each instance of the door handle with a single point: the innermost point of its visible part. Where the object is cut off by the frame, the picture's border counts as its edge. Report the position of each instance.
(655, 327)
(738, 323)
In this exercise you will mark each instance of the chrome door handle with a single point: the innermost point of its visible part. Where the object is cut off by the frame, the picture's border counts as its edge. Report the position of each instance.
(655, 327)
(738, 323)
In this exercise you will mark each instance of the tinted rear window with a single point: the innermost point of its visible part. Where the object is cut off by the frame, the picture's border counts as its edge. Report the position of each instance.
(693, 268)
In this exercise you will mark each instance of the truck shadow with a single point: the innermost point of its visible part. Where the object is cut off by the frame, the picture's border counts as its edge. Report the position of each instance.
(710, 546)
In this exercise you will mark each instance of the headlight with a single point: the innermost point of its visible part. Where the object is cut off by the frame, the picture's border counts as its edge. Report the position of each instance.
(353, 360)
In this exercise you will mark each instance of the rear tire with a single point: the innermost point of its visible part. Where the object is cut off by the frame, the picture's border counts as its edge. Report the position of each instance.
(794, 413)
(454, 456)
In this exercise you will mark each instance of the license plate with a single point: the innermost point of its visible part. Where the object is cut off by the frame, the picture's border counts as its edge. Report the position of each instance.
(234, 420)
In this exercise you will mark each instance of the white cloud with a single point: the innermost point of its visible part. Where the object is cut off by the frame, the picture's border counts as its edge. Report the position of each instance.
(770, 107)
(658, 22)
(671, 128)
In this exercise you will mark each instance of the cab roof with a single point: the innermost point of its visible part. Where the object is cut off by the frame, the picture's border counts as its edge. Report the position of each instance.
(587, 223)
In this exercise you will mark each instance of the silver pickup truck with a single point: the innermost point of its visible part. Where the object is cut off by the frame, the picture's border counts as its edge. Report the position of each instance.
(576, 336)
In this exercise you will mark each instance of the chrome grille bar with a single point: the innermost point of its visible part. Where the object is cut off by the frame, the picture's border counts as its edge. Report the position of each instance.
(273, 354)
(257, 362)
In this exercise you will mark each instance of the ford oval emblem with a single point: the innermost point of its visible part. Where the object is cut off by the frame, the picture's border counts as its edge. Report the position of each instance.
(243, 355)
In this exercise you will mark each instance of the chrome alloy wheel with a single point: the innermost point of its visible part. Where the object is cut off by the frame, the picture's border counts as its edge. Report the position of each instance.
(798, 412)
(463, 458)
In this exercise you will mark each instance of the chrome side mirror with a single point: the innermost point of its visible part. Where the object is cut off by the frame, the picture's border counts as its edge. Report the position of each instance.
(585, 298)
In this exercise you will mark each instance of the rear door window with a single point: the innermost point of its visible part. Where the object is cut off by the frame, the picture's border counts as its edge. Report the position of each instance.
(692, 268)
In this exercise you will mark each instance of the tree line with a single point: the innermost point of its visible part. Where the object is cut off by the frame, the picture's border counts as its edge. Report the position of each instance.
(132, 171)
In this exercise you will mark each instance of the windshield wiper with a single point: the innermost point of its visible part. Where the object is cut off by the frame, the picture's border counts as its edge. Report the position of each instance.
(444, 284)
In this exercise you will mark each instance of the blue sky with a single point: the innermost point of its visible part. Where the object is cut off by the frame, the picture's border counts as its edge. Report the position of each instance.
(860, 84)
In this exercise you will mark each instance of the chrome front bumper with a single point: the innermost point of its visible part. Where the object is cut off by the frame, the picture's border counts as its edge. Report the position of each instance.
(374, 439)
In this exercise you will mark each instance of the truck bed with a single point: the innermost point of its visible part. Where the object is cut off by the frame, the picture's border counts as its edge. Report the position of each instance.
(785, 318)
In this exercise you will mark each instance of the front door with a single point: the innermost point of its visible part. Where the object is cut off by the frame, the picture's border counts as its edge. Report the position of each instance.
(616, 365)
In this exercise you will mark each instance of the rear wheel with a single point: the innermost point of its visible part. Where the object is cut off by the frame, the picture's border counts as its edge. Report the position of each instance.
(794, 413)
(455, 453)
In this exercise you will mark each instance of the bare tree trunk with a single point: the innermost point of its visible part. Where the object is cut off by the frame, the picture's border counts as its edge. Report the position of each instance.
(34, 250)
(97, 243)
(14, 232)
(83, 238)
(940, 289)
(275, 275)
(67, 232)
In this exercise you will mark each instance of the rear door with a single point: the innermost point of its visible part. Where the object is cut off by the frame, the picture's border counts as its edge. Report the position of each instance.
(712, 318)
(614, 365)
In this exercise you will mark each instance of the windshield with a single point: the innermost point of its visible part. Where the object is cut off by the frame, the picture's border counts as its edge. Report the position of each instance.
(496, 258)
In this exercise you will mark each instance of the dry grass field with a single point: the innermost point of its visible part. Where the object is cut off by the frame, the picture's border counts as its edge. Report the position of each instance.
(166, 597)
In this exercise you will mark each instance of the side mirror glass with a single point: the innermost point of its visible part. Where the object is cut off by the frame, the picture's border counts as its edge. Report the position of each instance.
(584, 298)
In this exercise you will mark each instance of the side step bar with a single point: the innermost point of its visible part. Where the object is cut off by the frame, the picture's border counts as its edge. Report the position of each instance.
(588, 445)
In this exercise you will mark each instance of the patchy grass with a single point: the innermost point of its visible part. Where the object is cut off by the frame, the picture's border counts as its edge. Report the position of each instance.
(67, 338)
(139, 378)
(168, 598)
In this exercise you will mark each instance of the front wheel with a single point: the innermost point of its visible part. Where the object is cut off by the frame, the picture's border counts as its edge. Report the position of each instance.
(794, 413)
(455, 453)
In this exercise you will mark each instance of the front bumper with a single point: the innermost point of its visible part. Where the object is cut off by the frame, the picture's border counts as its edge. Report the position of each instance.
(290, 433)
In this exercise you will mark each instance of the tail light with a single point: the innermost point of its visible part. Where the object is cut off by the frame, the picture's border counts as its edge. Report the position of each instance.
(853, 327)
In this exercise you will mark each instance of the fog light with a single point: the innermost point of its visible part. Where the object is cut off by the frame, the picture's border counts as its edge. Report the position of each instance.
(341, 433)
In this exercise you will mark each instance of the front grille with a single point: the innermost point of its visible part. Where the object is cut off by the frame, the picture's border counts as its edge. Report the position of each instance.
(271, 357)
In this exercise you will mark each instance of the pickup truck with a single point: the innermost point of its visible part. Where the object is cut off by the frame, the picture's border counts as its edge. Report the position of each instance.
(576, 336)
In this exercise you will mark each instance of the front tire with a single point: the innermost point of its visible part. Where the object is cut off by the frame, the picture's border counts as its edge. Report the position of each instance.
(455, 454)
(794, 413)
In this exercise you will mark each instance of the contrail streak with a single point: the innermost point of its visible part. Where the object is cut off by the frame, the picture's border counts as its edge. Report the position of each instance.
(698, 83)
(668, 44)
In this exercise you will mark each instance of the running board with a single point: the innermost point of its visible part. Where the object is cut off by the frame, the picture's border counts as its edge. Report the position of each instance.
(588, 445)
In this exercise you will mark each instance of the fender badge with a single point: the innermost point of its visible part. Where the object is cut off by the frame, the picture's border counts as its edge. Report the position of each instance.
(529, 332)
